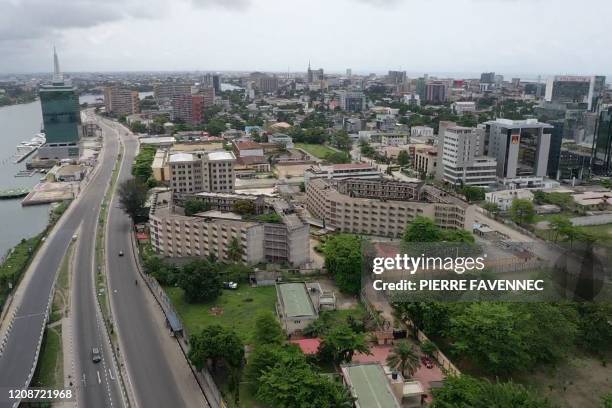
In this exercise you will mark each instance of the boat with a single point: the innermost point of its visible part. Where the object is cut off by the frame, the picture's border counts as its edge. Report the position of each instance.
(26, 148)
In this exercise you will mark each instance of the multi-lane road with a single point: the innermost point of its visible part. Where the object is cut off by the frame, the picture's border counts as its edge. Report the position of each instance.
(157, 373)
(20, 353)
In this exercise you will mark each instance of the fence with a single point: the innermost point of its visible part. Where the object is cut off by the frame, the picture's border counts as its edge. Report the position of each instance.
(445, 363)
(204, 379)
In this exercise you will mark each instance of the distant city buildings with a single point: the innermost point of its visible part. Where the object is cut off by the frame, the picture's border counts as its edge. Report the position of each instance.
(352, 101)
(576, 89)
(190, 108)
(461, 108)
(436, 92)
(602, 144)
(121, 101)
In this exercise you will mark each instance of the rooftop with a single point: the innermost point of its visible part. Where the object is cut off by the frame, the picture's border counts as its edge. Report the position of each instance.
(221, 155)
(180, 157)
(295, 300)
(369, 384)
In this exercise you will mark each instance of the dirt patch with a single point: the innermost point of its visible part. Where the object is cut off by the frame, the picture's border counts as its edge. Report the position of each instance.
(580, 382)
(215, 311)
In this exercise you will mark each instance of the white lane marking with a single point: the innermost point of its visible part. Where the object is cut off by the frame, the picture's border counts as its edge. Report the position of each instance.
(84, 380)
(99, 379)
(110, 373)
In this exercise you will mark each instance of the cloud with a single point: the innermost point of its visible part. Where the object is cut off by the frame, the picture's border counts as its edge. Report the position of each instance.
(31, 19)
(227, 4)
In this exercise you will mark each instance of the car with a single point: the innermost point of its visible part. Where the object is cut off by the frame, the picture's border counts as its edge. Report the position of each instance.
(230, 285)
(96, 357)
(74, 237)
(120, 253)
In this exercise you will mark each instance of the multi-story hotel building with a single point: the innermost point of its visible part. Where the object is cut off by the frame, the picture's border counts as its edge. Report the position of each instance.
(381, 207)
(342, 171)
(201, 171)
(211, 232)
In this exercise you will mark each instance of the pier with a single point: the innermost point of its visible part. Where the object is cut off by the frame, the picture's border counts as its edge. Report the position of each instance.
(13, 193)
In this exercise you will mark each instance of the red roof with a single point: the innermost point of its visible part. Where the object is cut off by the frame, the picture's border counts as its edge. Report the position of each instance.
(248, 145)
(308, 346)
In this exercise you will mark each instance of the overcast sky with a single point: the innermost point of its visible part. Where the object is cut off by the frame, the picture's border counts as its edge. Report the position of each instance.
(507, 36)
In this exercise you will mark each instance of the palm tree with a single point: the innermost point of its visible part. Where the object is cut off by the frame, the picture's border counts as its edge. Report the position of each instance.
(404, 358)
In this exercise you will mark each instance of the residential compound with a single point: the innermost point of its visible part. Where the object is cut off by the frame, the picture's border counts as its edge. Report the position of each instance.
(381, 207)
(284, 240)
(201, 171)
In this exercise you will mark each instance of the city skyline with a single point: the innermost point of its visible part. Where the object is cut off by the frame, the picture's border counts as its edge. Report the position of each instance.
(466, 36)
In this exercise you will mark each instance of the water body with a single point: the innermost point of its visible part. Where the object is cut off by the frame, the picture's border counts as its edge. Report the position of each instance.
(18, 123)
(92, 98)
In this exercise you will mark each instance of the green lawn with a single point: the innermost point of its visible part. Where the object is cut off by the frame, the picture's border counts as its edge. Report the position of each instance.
(49, 372)
(319, 151)
(237, 309)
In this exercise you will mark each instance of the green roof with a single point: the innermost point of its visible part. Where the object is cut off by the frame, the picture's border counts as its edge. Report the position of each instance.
(370, 386)
(295, 299)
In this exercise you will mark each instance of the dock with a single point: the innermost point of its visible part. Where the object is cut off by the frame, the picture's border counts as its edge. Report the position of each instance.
(21, 157)
(13, 193)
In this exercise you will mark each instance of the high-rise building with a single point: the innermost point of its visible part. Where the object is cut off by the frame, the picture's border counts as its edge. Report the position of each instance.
(463, 161)
(61, 117)
(190, 108)
(212, 81)
(396, 77)
(575, 89)
(436, 92)
(601, 159)
(349, 73)
(268, 84)
(166, 91)
(521, 147)
(487, 78)
(313, 75)
(352, 101)
(121, 101)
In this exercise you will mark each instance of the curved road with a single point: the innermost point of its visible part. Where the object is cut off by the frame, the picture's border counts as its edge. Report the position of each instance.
(20, 353)
(158, 374)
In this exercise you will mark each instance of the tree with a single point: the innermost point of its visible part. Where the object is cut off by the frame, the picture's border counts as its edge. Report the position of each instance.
(473, 193)
(216, 343)
(606, 400)
(194, 206)
(265, 356)
(244, 207)
(216, 126)
(488, 334)
(422, 229)
(492, 208)
(403, 159)
(458, 235)
(294, 383)
(166, 274)
(132, 198)
(267, 329)
(595, 330)
(560, 226)
(200, 281)
(343, 261)
(234, 250)
(522, 211)
(141, 169)
(341, 343)
(366, 149)
(342, 140)
(404, 358)
(338, 157)
(467, 391)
